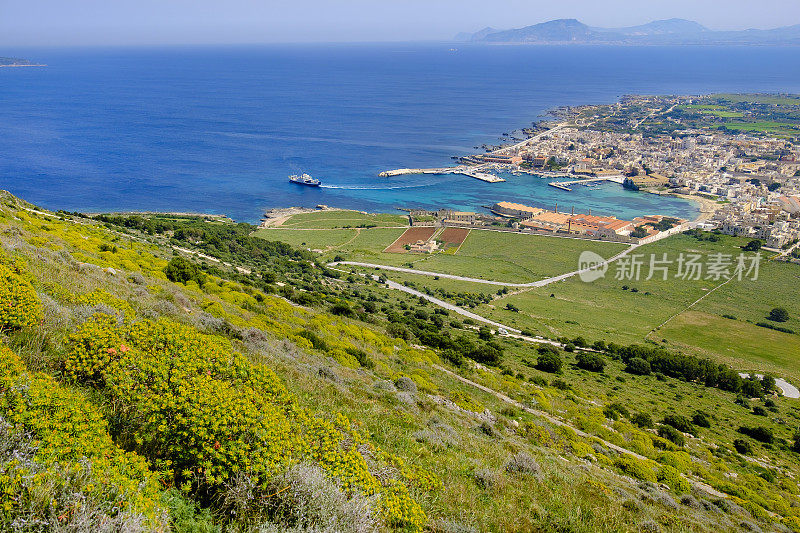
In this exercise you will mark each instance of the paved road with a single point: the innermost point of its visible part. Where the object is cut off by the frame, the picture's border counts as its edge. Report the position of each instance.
(788, 390)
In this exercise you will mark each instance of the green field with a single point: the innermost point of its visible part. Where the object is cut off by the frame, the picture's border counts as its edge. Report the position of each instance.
(343, 219)
(740, 344)
(320, 239)
(768, 99)
(492, 255)
(500, 256)
(603, 310)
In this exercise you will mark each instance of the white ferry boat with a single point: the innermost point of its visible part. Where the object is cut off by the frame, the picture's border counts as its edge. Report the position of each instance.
(305, 179)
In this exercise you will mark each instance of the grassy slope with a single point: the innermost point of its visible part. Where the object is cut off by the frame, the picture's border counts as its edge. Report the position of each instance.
(570, 494)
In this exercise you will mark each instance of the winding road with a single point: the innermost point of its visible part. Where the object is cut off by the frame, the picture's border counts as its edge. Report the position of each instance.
(540, 283)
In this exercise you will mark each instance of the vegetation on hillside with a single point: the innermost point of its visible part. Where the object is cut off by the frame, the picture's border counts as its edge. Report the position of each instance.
(319, 400)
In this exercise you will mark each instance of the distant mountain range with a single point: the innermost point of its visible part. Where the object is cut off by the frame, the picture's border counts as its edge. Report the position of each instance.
(14, 62)
(671, 31)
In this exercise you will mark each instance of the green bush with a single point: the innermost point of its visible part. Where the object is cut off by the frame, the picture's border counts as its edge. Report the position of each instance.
(636, 468)
(700, 419)
(743, 446)
(181, 270)
(638, 366)
(671, 434)
(680, 422)
(643, 420)
(549, 361)
(758, 433)
(615, 410)
(672, 478)
(779, 314)
(590, 361)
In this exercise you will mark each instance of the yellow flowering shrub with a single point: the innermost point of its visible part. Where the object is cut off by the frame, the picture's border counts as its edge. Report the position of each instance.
(99, 296)
(411, 474)
(69, 435)
(466, 402)
(92, 347)
(204, 412)
(670, 476)
(636, 468)
(398, 509)
(20, 306)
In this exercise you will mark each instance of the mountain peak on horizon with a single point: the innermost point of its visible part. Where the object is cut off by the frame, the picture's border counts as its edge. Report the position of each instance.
(663, 31)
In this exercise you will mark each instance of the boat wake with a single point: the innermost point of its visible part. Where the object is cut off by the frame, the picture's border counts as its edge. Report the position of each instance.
(358, 188)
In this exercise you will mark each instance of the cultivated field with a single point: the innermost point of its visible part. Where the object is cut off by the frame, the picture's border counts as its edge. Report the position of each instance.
(453, 236)
(410, 236)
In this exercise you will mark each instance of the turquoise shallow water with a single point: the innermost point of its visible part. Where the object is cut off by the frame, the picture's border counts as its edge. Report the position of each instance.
(464, 193)
(219, 129)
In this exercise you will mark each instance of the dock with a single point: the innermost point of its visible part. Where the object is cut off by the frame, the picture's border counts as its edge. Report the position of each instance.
(565, 185)
(460, 170)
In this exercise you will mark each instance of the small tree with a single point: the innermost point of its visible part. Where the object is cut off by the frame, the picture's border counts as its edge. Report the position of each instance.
(549, 361)
(742, 446)
(752, 246)
(484, 333)
(591, 361)
(779, 314)
(638, 366)
(181, 270)
(796, 445)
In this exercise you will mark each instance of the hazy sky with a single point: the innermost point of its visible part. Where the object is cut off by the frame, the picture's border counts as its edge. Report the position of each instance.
(80, 22)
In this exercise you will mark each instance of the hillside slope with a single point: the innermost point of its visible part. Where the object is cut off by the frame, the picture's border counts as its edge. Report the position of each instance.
(254, 390)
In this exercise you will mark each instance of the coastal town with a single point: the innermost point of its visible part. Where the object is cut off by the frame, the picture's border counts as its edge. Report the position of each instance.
(737, 159)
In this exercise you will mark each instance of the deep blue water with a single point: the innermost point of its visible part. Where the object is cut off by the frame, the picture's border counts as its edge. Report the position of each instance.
(219, 129)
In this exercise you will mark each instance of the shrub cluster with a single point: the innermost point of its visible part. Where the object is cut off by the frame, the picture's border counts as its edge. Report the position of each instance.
(590, 361)
(685, 367)
(549, 359)
(72, 466)
(205, 414)
(20, 306)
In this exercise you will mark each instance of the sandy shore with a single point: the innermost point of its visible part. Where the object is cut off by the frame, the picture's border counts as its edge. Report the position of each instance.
(707, 206)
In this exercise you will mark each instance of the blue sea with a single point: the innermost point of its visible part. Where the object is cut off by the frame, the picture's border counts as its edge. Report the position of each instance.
(219, 129)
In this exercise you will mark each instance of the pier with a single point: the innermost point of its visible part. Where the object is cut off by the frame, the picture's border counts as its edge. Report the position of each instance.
(462, 170)
(565, 185)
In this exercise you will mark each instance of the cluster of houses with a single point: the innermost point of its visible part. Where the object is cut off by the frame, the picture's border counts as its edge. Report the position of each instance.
(776, 221)
(536, 220)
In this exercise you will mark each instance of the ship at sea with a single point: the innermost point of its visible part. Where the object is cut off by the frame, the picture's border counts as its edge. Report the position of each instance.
(305, 179)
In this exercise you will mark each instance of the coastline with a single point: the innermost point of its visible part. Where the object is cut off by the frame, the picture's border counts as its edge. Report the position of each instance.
(707, 207)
